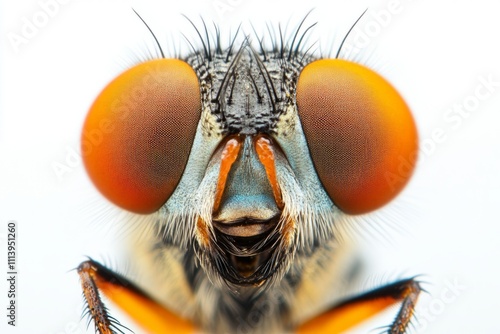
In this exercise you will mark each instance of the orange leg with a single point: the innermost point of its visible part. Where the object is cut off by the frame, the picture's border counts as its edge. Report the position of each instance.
(153, 317)
(353, 311)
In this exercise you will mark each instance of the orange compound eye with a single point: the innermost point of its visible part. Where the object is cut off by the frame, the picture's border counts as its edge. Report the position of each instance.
(361, 135)
(138, 133)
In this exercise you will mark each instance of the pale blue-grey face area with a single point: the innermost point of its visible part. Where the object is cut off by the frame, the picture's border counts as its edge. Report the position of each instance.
(248, 196)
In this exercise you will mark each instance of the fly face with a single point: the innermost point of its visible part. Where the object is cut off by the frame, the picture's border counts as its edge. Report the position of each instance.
(250, 200)
(249, 157)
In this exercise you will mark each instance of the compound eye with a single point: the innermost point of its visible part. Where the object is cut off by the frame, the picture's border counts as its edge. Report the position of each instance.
(138, 133)
(361, 135)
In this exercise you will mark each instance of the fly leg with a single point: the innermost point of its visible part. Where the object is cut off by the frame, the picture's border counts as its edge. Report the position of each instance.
(353, 311)
(153, 317)
(104, 323)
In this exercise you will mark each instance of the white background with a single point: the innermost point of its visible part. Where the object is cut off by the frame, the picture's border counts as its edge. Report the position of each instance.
(445, 225)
